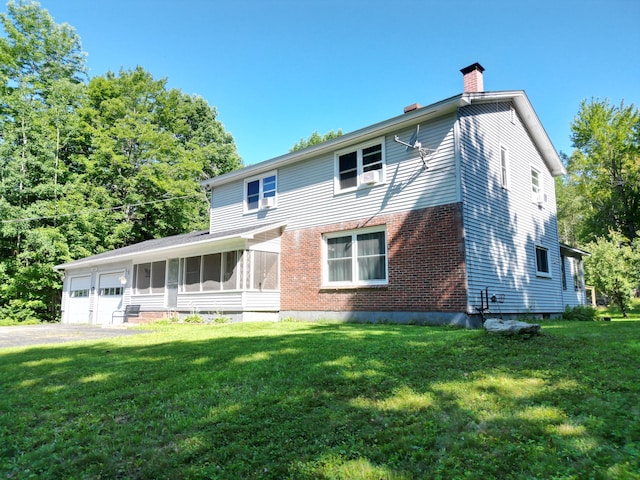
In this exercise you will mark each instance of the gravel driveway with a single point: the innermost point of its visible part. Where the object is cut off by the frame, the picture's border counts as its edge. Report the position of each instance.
(20, 336)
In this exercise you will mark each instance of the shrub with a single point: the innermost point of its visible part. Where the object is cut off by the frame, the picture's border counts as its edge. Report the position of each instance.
(193, 318)
(581, 313)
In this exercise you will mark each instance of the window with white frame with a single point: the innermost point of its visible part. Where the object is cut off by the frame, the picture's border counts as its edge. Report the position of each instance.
(537, 190)
(149, 277)
(504, 167)
(358, 257)
(542, 262)
(260, 192)
(360, 166)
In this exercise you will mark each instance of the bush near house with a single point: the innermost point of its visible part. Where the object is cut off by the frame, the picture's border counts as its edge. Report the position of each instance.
(296, 400)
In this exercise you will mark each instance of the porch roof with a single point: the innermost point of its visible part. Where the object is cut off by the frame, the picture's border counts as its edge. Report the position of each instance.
(168, 243)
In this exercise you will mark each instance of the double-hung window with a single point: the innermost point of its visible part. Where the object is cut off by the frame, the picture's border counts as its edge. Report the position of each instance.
(260, 192)
(542, 262)
(358, 257)
(504, 167)
(360, 166)
(537, 187)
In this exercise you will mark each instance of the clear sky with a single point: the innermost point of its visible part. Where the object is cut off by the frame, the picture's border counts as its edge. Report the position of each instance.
(276, 70)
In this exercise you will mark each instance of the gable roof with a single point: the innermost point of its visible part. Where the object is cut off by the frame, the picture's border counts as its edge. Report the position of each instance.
(518, 97)
(158, 245)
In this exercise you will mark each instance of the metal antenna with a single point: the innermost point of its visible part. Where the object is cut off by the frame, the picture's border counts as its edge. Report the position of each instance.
(414, 144)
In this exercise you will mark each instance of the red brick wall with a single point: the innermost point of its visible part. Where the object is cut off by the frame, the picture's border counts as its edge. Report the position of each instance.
(425, 259)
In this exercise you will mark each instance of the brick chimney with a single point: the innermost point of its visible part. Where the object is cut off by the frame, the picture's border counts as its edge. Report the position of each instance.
(472, 76)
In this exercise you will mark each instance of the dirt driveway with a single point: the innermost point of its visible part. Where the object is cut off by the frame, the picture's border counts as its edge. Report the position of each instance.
(21, 336)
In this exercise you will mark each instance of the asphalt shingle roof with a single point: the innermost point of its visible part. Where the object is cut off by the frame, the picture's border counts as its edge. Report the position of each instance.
(175, 241)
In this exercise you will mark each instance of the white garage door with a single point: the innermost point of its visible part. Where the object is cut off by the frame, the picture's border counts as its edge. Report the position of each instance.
(110, 292)
(78, 300)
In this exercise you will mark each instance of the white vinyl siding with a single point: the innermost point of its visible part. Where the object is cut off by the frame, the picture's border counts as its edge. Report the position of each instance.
(502, 226)
(306, 189)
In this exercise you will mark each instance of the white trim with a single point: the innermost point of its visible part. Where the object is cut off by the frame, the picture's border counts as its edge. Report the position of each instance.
(518, 97)
(504, 171)
(354, 264)
(358, 150)
(174, 251)
(261, 193)
(540, 273)
(538, 197)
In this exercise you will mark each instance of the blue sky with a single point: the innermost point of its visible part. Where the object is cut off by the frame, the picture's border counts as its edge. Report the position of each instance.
(276, 70)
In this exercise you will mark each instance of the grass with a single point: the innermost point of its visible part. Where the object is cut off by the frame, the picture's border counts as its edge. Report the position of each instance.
(326, 401)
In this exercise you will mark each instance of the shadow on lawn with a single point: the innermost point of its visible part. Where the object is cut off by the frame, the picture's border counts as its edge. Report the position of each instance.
(319, 401)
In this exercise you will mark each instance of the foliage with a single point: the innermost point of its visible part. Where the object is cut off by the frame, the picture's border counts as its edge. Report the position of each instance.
(326, 400)
(612, 268)
(582, 313)
(604, 170)
(193, 318)
(314, 139)
(89, 165)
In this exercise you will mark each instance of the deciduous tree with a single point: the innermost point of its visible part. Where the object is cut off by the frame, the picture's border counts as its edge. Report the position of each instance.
(314, 139)
(613, 268)
(605, 168)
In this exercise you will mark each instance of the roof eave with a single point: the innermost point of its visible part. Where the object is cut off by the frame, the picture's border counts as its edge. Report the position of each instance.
(92, 262)
(441, 108)
(532, 123)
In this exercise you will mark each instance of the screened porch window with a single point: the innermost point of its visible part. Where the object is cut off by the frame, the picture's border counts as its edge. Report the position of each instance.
(232, 270)
(356, 258)
(149, 277)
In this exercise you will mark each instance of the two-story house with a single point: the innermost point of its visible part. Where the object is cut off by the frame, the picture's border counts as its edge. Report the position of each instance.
(426, 217)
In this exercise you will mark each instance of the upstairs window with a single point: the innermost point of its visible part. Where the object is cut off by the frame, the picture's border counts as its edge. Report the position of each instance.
(260, 192)
(537, 191)
(360, 166)
(542, 262)
(504, 168)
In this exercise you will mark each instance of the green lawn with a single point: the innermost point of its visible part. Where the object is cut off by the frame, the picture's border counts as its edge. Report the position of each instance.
(326, 401)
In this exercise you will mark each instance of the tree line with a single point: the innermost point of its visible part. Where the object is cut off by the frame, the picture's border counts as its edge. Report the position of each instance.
(599, 198)
(92, 164)
(89, 164)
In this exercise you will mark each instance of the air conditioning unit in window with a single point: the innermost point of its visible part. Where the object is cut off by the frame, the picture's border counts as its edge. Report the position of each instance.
(268, 202)
(371, 177)
(540, 198)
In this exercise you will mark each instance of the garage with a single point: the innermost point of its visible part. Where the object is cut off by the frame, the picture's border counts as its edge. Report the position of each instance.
(78, 305)
(110, 295)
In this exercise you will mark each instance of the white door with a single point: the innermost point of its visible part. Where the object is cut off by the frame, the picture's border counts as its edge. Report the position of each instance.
(110, 292)
(78, 301)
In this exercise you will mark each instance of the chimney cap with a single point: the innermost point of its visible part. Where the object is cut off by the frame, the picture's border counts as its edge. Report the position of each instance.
(412, 107)
(471, 68)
